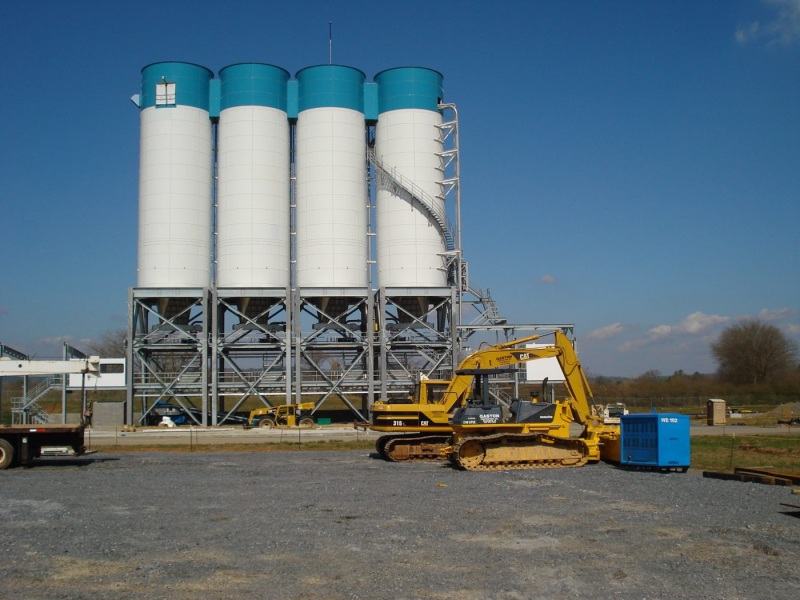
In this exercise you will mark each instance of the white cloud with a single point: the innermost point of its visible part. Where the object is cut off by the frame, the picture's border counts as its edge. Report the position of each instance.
(775, 314)
(662, 331)
(745, 34)
(695, 323)
(784, 28)
(683, 345)
(631, 345)
(603, 333)
(548, 279)
(698, 322)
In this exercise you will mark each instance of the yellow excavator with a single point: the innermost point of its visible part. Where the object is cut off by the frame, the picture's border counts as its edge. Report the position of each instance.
(534, 434)
(419, 427)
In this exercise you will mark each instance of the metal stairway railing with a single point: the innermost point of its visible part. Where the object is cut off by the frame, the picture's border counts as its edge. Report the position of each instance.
(27, 405)
(490, 315)
(502, 398)
(391, 176)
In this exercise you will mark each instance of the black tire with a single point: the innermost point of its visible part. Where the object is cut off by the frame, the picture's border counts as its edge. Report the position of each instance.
(6, 454)
(266, 422)
(307, 423)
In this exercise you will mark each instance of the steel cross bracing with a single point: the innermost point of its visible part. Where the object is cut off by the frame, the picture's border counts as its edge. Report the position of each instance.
(408, 344)
(251, 360)
(425, 339)
(339, 335)
(168, 350)
(399, 326)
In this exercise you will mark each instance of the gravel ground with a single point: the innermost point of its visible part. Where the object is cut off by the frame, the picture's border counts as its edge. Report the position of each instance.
(347, 525)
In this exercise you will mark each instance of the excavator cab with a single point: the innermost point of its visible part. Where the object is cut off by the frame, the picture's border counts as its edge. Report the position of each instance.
(480, 409)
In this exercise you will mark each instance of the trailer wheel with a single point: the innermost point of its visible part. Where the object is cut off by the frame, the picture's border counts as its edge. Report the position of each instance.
(6, 454)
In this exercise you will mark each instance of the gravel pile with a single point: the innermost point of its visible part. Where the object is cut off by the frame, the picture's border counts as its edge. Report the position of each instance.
(347, 525)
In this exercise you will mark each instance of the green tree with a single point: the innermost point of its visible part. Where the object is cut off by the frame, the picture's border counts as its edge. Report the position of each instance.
(754, 352)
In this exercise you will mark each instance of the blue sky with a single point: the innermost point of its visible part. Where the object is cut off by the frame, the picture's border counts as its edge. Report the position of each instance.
(632, 167)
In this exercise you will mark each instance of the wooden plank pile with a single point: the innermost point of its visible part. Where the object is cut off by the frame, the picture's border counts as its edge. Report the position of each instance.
(765, 476)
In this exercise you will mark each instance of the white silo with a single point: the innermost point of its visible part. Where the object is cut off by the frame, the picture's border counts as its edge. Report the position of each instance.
(410, 238)
(175, 177)
(253, 170)
(331, 197)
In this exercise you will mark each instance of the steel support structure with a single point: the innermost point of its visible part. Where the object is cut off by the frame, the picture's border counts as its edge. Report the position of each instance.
(251, 337)
(69, 353)
(168, 350)
(414, 342)
(334, 349)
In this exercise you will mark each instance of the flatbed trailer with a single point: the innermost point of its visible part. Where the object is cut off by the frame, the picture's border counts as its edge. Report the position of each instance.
(20, 444)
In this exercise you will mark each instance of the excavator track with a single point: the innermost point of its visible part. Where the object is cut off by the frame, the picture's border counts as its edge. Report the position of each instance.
(396, 448)
(505, 451)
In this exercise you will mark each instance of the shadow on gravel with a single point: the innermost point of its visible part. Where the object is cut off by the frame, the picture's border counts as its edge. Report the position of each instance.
(791, 513)
(68, 462)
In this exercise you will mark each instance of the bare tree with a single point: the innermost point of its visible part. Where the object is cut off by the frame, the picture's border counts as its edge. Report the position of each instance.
(110, 345)
(754, 352)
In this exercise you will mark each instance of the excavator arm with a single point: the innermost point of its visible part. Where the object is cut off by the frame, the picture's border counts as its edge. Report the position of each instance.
(574, 379)
(510, 354)
(488, 359)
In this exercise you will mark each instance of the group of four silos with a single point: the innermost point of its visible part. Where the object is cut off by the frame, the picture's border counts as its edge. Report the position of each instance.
(217, 158)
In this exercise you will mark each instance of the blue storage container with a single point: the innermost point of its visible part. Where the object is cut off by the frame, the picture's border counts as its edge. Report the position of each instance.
(656, 441)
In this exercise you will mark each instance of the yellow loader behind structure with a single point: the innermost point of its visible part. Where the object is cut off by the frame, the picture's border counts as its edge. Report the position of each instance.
(285, 415)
